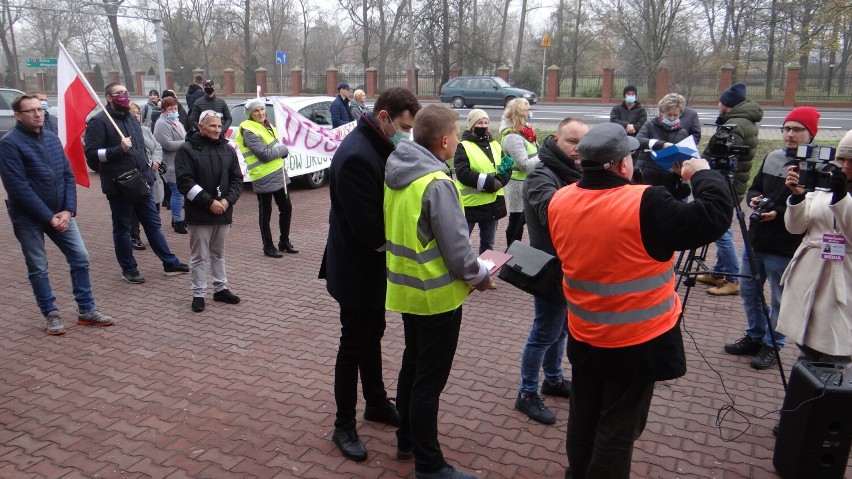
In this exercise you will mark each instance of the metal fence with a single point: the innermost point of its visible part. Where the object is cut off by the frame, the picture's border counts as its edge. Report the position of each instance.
(586, 86)
(817, 87)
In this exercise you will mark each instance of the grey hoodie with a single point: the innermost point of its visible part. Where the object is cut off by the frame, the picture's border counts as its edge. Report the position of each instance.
(442, 217)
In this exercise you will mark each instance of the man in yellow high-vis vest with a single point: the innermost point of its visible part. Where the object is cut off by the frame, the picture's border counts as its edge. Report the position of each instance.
(431, 268)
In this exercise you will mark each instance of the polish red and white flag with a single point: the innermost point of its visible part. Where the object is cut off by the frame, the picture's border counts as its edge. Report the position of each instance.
(76, 100)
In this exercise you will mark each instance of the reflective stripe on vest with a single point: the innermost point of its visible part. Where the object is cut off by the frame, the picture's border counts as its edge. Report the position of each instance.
(256, 168)
(418, 280)
(532, 150)
(480, 163)
(617, 295)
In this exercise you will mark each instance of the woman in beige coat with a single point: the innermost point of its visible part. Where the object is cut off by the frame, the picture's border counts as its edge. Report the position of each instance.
(816, 309)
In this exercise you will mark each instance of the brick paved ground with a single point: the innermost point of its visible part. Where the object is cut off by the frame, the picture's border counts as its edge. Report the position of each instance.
(246, 390)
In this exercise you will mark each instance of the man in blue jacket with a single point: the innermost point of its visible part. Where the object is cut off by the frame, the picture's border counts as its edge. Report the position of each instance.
(340, 114)
(43, 201)
(117, 154)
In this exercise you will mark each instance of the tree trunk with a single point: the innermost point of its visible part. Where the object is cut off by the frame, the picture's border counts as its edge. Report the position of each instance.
(520, 46)
(502, 34)
(445, 42)
(111, 9)
(249, 79)
(770, 54)
(365, 49)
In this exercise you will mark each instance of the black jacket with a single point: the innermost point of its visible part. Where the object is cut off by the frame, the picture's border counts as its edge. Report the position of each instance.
(666, 226)
(353, 264)
(648, 171)
(623, 116)
(211, 166)
(554, 171)
(194, 92)
(772, 237)
(103, 147)
(206, 103)
(469, 177)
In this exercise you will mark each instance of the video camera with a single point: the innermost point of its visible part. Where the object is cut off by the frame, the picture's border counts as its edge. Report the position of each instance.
(724, 150)
(765, 205)
(815, 172)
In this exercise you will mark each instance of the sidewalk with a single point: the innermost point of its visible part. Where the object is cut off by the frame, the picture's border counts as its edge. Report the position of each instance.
(244, 391)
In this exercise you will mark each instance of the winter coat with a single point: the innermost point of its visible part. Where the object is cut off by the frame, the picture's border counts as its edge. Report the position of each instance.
(51, 122)
(155, 154)
(652, 136)
(514, 145)
(207, 170)
(171, 136)
(772, 237)
(194, 92)
(816, 308)
(690, 122)
(623, 116)
(357, 109)
(340, 114)
(489, 211)
(353, 264)
(744, 117)
(207, 103)
(103, 146)
(36, 174)
(151, 113)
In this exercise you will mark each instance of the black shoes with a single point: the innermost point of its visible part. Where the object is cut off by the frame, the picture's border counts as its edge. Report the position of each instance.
(446, 472)
(385, 413)
(136, 244)
(179, 227)
(226, 296)
(765, 358)
(346, 439)
(197, 304)
(272, 252)
(745, 346)
(534, 408)
(287, 246)
(560, 389)
(133, 277)
(174, 269)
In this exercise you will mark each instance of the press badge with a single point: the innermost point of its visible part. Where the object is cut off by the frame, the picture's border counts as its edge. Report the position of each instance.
(833, 247)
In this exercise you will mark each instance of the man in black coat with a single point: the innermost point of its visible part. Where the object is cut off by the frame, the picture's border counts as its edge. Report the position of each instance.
(354, 262)
(210, 102)
(629, 113)
(194, 92)
(116, 154)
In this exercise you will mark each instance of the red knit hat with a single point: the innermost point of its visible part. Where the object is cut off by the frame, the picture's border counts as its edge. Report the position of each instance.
(807, 116)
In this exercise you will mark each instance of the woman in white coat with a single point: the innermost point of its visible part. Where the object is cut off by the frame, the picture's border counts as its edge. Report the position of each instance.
(816, 309)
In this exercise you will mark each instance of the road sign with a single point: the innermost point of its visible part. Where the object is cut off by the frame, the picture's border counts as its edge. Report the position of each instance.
(280, 58)
(545, 42)
(41, 62)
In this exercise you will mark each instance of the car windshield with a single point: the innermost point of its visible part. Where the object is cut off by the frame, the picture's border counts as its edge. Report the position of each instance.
(501, 82)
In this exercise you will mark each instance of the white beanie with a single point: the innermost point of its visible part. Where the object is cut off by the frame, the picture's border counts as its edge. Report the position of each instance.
(475, 115)
(844, 148)
(254, 104)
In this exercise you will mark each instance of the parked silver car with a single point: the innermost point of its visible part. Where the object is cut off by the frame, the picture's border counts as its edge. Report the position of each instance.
(7, 116)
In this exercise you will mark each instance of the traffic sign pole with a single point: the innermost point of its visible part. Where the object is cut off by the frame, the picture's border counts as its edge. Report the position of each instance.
(545, 44)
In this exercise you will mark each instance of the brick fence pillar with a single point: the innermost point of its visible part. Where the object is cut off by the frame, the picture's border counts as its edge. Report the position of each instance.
(296, 81)
(90, 76)
(663, 85)
(331, 81)
(552, 83)
(503, 72)
(372, 76)
(113, 76)
(791, 84)
(170, 79)
(198, 71)
(41, 81)
(261, 75)
(726, 77)
(606, 88)
(228, 81)
(140, 89)
(455, 73)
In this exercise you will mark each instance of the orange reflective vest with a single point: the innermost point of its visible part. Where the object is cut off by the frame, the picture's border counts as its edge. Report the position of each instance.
(617, 295)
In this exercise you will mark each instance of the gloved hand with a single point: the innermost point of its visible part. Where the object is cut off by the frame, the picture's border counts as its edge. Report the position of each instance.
(506, 165)
(837, 183)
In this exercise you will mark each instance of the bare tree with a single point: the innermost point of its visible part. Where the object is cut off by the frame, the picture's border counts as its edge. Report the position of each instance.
(111, 8)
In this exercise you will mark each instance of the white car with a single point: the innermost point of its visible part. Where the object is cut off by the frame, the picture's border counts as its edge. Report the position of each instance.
(314, 108)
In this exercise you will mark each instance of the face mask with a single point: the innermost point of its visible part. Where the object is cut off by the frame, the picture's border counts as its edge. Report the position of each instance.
(209, 90)
(172, 116)
(630, 99)
(480, 131)
(122, 100)
(45, 105)
(398, 136)
(668, 122)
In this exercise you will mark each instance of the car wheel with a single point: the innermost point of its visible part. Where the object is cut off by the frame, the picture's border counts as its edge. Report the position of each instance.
(508, 99)
(468, 105)
(458, 102)
(316, 179)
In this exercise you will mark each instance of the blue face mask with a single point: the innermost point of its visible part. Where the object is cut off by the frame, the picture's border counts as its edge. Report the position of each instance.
(44, 105)
(172, 116)
(668, 122)
(630, 99)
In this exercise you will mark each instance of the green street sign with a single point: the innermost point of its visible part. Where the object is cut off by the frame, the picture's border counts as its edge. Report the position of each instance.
(41, 62)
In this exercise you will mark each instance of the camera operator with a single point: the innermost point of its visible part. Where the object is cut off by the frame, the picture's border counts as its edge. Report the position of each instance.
(741, 114)
(773, 244)
(815, 310)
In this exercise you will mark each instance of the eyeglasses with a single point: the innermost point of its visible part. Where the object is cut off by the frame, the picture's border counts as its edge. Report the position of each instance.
(207, 113)
(32, 111)
(794, 129)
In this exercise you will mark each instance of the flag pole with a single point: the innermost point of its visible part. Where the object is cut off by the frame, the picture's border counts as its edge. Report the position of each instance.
(91, 91)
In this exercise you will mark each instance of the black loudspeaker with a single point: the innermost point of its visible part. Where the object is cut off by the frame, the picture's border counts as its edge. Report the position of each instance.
(815, 432)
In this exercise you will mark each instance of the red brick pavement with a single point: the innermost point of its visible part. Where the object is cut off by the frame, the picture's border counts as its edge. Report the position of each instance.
(246, 390)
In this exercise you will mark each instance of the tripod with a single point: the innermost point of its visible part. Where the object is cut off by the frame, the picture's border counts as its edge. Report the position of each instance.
(695, 259)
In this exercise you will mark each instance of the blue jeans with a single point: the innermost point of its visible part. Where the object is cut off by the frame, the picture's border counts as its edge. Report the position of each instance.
(726, 257)
(487, 233)
(545, 344)
(31, 234)
(175, 202)
(149, 218)
(770, 267)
